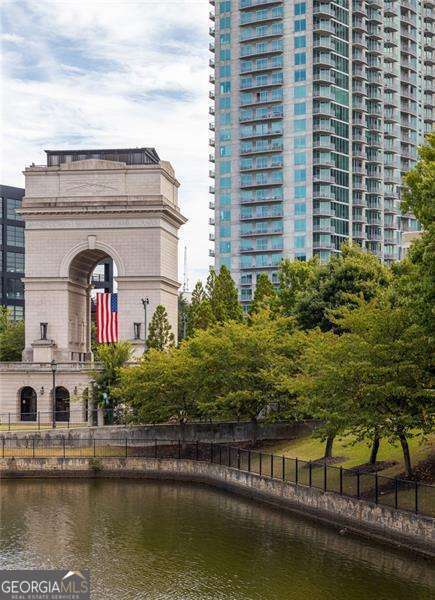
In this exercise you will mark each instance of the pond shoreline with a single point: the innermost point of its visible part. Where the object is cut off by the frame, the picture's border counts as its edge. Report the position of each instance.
(398, 529)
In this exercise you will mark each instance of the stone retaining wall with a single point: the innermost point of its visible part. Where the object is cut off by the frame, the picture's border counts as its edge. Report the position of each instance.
(224, 432)
(382, 523)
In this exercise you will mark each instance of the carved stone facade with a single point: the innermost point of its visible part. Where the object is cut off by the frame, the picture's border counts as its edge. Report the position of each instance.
(79, 213)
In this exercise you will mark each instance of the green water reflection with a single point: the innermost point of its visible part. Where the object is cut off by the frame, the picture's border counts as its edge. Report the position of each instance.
(170, 541)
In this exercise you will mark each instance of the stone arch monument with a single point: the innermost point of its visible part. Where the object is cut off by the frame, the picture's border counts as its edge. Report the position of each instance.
(79, 209)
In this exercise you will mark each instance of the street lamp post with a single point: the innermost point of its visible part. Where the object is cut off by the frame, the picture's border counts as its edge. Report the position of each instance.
(53, 396)
(145, 303)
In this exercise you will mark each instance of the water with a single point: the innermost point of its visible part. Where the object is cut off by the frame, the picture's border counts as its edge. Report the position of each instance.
(170, 541)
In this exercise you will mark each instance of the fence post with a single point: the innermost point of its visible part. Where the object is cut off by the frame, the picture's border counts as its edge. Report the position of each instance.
(155, 447)
(376, 489)
(416, 497)
(220, 454)
(197, 450)
(260, 465)
(94, 448)
(395, 493)
(179, 449)
(33, 446)
(238, 459)
(63, 443)
(325, 475)
(3, 447)
(296, 471)
(229, 456)
(211, 452)
(39, 421)
(357, 485)
(271, 465)
(126, 448)
(9, 421)
(249, 461)
(341, 481)
(310, 473)
(283, 468)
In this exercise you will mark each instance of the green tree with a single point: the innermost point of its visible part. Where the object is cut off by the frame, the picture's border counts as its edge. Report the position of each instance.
(346, 278)
(110, 359)
(264, 294)
(161, 387)
(373, 380)
(200, 315)
(160, 335)
(419, 191)
(295, 277)
(11, 337)
(223, 297)
(233, 363)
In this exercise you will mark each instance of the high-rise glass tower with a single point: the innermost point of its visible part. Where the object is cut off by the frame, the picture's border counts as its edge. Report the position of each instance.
(318, 111)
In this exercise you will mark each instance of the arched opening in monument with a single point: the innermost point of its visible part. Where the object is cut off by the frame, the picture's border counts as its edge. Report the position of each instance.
(91, 271)
(28, 404)
(61, 404)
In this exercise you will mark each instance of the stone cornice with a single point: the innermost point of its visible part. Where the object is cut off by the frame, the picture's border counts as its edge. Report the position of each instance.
(109, 206)
(98, 166)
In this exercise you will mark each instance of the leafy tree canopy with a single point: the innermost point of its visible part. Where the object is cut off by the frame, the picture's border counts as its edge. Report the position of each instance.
(264, 294)
(11, 337)
(419, 193)
(346, 278)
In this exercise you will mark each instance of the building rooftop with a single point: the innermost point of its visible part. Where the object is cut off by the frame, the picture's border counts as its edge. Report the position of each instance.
(130, 156)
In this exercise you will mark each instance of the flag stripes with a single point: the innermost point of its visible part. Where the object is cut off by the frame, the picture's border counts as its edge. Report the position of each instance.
(107, 318)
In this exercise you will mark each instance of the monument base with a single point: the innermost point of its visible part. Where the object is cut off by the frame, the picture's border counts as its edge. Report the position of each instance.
(26, 393)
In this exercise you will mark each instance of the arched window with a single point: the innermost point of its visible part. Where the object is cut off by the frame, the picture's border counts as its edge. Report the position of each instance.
(28, 404)
(62, 404)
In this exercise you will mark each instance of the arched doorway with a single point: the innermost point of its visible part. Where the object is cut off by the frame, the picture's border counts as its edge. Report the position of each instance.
(28, 404)
(89, 279)
(61, 405)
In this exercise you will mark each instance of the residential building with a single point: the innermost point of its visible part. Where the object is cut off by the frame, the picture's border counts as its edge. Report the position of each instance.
(318, 110)
(11, 251)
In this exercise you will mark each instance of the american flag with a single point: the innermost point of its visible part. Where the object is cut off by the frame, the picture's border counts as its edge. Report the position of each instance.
(107, 318)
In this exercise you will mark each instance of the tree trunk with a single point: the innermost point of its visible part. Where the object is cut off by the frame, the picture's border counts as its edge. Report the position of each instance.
(406, 454)
(375, 449)
(328, 446)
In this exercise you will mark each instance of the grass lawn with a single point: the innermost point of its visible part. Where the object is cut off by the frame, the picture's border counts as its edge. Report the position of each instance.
(310, 448)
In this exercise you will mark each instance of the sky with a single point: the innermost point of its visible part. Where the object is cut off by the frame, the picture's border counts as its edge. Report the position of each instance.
(110, 73)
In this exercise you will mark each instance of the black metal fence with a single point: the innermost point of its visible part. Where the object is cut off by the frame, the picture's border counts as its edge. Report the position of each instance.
(76, 417)
(397, 493)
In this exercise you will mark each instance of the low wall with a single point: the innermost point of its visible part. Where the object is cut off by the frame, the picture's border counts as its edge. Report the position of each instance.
(382, 523)
(224, 432)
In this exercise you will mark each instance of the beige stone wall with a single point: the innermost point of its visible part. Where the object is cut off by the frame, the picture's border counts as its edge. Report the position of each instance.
(12, 381)
(105, 208)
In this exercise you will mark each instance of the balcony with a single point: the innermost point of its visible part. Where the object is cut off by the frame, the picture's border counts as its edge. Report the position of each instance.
(320, 245)
(255, 216)
(253, 3)
(269, 83)
(263, 149)
(260, 134)
(211, 189)
(211, 221)
(211, 206)
(269, 116)
(261, 32)
(259, 17)
(270, 48)
(319, 228)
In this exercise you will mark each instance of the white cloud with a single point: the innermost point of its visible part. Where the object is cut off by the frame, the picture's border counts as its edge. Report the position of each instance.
(110, 74)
